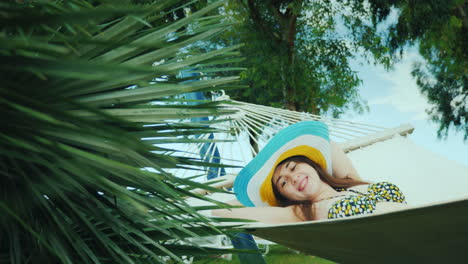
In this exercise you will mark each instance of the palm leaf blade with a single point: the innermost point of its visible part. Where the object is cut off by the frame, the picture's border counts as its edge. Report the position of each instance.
(80, 90)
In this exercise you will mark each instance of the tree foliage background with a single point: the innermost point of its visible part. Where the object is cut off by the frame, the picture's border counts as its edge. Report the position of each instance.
(440, 29)
(298, 52)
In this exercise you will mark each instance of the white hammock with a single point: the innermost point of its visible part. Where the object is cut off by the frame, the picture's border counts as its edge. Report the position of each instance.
(436, 232)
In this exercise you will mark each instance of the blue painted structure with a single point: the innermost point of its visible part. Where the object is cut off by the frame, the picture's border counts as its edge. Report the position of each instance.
(239, 240)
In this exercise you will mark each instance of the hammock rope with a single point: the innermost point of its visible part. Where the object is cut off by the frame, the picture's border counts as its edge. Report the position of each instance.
(262, 122)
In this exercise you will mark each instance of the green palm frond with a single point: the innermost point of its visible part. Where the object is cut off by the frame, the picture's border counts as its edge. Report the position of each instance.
(80, 80)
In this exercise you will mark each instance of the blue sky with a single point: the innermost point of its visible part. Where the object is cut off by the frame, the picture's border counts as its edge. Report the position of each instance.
(394, 99)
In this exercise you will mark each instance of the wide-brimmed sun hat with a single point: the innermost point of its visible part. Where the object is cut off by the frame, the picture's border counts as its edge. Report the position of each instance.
(253, 185)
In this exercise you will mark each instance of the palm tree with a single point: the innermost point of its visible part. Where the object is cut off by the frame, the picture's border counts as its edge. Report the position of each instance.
(80, 86)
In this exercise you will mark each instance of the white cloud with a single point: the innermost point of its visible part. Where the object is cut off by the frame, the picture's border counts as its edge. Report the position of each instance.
(404, 94)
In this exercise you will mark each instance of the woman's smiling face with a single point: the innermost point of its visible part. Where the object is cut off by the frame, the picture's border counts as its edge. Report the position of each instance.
(297, 181)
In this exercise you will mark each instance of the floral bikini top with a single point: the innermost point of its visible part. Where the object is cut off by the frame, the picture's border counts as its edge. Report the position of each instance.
(365, 203)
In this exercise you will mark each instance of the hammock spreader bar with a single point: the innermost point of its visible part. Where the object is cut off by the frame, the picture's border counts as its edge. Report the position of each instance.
(432, 234)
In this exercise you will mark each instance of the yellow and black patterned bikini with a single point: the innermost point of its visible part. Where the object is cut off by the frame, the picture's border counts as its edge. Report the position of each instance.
(365, 203)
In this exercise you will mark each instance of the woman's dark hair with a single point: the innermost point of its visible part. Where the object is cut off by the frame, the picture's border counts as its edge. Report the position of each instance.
(306, 207)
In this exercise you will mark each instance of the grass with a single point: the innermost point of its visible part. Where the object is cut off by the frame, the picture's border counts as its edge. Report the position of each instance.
(277, 255)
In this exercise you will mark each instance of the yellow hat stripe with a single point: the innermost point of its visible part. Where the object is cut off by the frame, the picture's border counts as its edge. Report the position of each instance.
(266, 190)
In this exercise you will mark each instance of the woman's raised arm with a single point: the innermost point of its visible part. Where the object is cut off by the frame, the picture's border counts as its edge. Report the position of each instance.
(342, 167)
(268, 215)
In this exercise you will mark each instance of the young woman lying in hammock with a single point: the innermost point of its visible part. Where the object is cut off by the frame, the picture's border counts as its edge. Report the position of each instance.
(300, 175)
